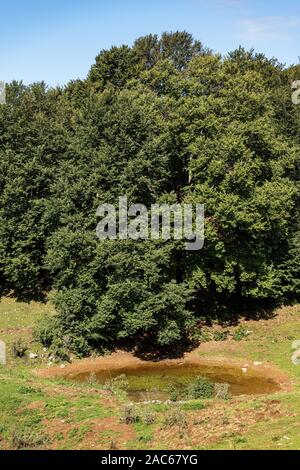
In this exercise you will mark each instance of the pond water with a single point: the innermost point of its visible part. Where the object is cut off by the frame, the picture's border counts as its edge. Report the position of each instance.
(153, 381)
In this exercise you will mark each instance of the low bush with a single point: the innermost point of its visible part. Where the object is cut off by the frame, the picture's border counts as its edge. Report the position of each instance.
(92, 379)
(149, 418)
(116, 384)
(19, 348)
(130, 415)
(27, 439)
(175, 417)
(220, 335)
(240, 333)
(221, 391)
(201, 335)
(174, 393)
(201, 388)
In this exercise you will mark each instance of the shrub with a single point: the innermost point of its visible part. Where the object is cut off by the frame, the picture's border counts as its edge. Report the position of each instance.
(44, 331)
(117, 383)
(173, 393)
(26, 439)
(201, 388)
(149, 418)
(175, 417)
(26, 390)
(19, 348)
(113, 445)
(221, 391)
(130, 415)
(201, 336)
(92, 379)
(220, 335)
(240, 333)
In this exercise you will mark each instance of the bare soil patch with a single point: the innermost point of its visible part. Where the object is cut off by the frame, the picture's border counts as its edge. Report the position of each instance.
(123, 360)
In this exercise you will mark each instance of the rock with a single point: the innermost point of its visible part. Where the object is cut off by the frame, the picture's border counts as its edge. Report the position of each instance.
(296, 358)
(44, 349)
(244, 370)
(32, 356)
(257, 363)
(62, 366)
(2, 353)
(296, 345)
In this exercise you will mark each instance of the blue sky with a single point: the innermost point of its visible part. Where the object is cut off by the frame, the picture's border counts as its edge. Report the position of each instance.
(57, 40)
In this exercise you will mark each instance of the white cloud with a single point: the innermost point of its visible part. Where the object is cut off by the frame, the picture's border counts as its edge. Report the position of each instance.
(269, 28)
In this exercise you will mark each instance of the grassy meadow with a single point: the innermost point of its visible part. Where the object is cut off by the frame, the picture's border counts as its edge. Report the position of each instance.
(39, 413)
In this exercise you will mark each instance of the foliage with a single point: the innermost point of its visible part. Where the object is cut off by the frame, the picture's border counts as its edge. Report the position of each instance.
(119, 382)
(175, 417)
(149, 418)
(220, 335)
(222, 391)
(174, 393)
(200, 388)
(27, 439)
(130, 415)
(240, 333)
(192, 405)
(165, 120)
(19, 348)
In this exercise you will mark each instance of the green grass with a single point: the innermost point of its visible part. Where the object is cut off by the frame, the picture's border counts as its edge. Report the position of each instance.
(145, 434)
(17, 320)
(193, 405)
(22, 315)
(30, 405)
(19, 389)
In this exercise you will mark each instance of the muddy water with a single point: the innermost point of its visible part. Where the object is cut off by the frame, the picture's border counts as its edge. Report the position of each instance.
(152, 381)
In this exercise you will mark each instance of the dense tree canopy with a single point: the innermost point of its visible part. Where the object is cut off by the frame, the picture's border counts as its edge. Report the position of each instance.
(163, 121)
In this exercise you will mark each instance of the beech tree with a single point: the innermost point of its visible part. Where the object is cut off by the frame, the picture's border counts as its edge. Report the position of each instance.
(163, 121)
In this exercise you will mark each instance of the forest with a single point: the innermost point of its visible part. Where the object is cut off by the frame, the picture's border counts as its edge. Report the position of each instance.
(164, 121)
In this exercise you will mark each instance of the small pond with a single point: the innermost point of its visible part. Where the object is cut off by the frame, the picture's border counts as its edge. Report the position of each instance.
(153, 381)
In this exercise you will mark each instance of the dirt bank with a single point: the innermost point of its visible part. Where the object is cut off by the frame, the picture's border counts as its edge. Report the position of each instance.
(122, 360)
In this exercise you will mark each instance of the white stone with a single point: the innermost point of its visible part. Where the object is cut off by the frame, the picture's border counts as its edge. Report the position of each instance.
(2, 353)
(244, 370)
(2, 93)
(32, 356)
(257, 363)
(62, 366)
(296, 358)
(296, 345)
